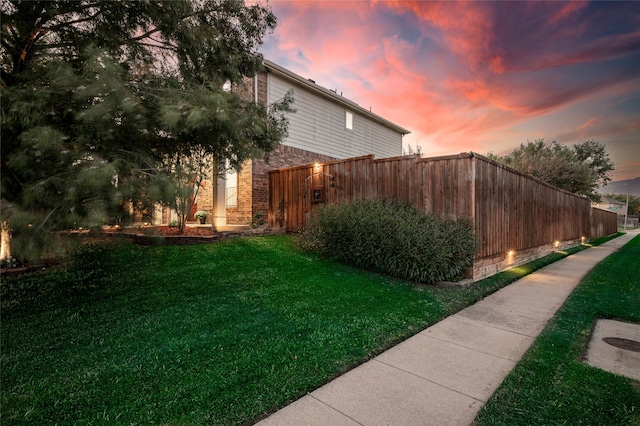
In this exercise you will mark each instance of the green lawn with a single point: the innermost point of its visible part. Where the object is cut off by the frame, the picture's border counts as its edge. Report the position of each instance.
(551, 385)
(209, 334)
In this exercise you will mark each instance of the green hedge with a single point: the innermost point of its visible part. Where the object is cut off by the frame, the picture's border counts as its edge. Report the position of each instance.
(392, 237)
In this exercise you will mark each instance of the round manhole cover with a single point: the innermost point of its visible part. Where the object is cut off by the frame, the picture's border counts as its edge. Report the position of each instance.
(618, 342)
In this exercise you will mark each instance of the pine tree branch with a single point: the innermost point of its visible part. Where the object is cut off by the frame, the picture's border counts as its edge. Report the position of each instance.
(77, 21)
(145, 35)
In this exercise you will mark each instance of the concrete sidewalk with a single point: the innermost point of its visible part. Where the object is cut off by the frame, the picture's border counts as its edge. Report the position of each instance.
(446, 373)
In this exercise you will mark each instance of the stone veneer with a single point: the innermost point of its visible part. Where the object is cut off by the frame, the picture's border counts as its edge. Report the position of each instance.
(483, 268)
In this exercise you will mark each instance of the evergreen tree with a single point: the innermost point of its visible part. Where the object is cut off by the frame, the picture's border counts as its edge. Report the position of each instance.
(97, 95)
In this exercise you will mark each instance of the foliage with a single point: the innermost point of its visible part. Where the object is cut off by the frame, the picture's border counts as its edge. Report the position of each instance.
(8, 262)
(634, 202)
(200, 214)
(392, 237)
(410, 151)
(579, 169)
(552, 384)
(256, 220)
(183, 179)
(99, 99)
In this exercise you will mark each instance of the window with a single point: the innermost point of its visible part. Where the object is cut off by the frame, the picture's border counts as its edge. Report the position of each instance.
(231, 188)
(348, 120)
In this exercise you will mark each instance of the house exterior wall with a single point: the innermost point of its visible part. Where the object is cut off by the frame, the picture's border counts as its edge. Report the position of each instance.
(317, 133)
(204, 200)
(612, 205)
(319, 125)
(241, 213)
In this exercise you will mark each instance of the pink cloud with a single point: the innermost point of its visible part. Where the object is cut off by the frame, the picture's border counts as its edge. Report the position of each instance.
(567, 9)
(464, 76)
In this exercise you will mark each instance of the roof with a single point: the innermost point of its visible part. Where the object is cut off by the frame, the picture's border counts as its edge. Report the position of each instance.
(311, 85)
(609, 200)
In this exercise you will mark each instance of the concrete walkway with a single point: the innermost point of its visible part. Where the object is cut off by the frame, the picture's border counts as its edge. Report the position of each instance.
(446, 373)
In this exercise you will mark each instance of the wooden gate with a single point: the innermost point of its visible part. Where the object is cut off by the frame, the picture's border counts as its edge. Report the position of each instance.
(315, 192)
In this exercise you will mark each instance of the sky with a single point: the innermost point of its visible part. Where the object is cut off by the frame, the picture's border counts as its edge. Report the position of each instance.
(476, 76)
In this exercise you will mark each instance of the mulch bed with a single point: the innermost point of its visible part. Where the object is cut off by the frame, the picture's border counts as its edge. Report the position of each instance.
(166, 231)
(174, 231)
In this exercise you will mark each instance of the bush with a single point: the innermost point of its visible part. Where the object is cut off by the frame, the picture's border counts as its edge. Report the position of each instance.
(392, 237)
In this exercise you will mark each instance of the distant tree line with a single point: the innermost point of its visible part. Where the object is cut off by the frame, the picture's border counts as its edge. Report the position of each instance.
(580, 169)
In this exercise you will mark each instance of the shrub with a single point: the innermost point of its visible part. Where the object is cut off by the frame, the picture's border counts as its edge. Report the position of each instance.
(256, 220)
(392, 237)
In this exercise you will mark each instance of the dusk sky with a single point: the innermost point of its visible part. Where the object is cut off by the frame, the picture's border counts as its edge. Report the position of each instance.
(476, 76)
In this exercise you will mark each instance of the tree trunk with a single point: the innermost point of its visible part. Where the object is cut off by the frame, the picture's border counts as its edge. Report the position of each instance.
(5, 246)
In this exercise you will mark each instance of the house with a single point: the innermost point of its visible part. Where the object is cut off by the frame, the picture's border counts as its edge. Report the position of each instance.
(326, 126)
(608, 203)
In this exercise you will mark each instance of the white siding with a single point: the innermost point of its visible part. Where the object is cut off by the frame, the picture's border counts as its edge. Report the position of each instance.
(318, 125)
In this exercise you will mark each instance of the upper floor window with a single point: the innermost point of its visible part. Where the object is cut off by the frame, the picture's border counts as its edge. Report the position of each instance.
(348, 119)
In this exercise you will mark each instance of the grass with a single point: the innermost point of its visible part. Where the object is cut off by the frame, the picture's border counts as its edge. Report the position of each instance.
(551, 385)
(210, 334)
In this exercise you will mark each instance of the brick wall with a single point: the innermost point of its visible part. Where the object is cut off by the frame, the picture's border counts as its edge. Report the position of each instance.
(205, 198)
(262, 87)
(241, 214)
(246, 91)
(284, 156)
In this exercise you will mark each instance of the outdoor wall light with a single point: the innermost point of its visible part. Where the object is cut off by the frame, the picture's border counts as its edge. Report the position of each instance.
(317, 166)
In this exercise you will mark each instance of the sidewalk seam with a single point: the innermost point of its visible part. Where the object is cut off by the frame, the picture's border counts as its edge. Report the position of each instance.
(475, 349)
(431, 381)
(334, 409)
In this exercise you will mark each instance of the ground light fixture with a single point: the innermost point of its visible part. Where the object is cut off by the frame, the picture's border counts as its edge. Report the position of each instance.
(511, 254)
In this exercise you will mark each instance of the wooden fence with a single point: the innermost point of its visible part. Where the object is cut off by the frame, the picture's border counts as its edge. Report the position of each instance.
(511, 212)
(603, 223)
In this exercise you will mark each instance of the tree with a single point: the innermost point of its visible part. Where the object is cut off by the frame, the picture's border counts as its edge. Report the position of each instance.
(98, 96)
(579, 169)
(185, 176)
